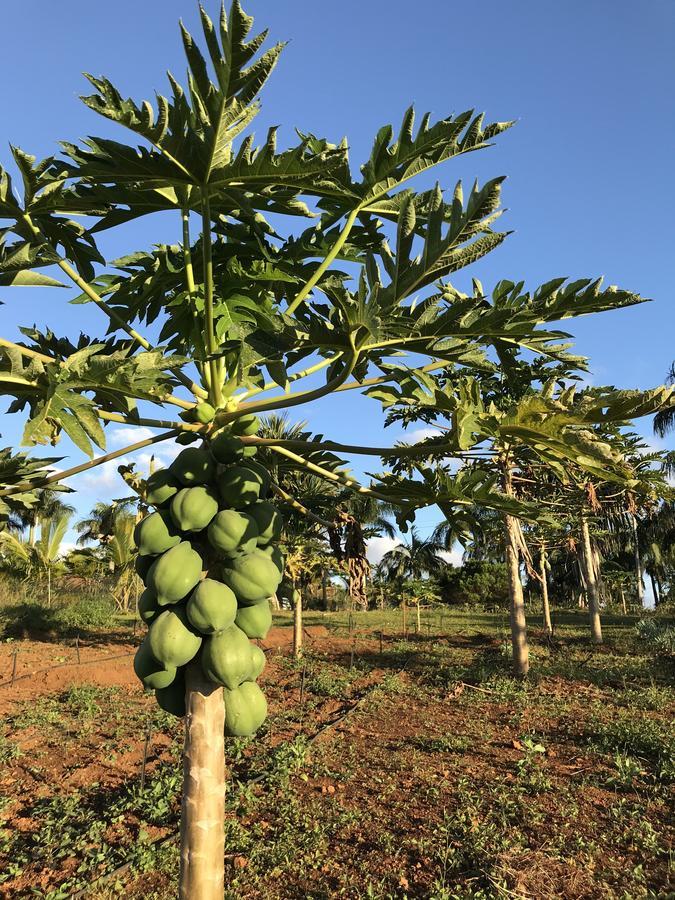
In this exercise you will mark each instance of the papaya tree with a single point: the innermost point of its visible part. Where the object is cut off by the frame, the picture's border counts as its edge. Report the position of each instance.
(289, 266)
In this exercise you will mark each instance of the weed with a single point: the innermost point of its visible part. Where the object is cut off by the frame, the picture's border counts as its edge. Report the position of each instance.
(641, 737)
(9, 750)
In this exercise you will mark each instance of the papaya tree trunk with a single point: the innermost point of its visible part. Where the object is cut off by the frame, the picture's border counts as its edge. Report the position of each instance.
(521, 652)
(639, 584)
(202, 837)
(623, 601)
(655, 589)
(297, 625)
(544, 593)
(591, 583)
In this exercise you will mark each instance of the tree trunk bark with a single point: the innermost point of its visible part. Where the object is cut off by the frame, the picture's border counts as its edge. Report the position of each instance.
(521, 652)
(659, 587)
(274, 602)
(544, 594)
(623, 601)
(638, 564)
(297, 625)
(655, 590)
(418, 624)
(31, 534)
(324, 589)
(591, 583)
(202, 836)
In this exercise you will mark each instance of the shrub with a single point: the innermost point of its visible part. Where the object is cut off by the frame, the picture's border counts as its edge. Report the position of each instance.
(659, 634)
(82, 614)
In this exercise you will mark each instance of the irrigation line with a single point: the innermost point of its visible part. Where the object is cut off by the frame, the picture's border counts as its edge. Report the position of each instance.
(87, 662)
(170, 838)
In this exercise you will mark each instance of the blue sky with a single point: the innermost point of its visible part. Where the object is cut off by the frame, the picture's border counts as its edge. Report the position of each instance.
(589, 164)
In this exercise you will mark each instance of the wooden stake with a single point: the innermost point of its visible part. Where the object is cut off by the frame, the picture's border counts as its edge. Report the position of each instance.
(16, 653)
(77, 647)
(145, 758)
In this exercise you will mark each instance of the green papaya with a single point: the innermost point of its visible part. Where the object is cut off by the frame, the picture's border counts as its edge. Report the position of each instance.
(212, 607)
(143, 564)
(245, 710)
(268, 519)
(275, 553)
(227, 448)
(148, 609)
(245, 425)
(264, 475)
(258, 661)
(193, 466)
(160, 488)
(233, 533)
(172, 698)
(240, 486)
(174, 574)
(201, 414)
(171, 639)
(255, 620)
(226, 657)
(193, 508)
(153, 674)
(155, 533)
(186, 437)
(252, 577)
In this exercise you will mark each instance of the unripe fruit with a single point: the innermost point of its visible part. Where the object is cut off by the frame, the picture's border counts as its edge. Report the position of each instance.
(171, 640)
(172, 698)
(155, 534)
(245, 710)
(148, 608)
(226, 448)
(233, 533)
(269, 521)
(212, 607)
(193, 508)
(256, 620)
(193, 466)
(160, 487)
(153, 674)
(245, 425)
(174, 574)
(226, 657)
(252, 577)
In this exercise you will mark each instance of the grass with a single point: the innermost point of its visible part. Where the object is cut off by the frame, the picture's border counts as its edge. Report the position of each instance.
(556, 786)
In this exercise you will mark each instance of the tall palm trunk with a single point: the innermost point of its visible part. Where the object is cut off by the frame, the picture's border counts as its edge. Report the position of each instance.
(202, 839)
(521, 651)
(297, 624)
(591, 583)
(544, 592)
(638, 563)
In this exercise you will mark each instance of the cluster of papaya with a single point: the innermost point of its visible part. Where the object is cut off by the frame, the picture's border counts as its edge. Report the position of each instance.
(209, 558)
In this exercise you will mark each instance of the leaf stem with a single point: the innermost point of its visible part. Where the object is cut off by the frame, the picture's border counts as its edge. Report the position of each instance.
(148, 423)
(298, 507)
(187, 253)
(296, 376)
(328, 260)
(25, 351)
(215, 381)
(68, 473)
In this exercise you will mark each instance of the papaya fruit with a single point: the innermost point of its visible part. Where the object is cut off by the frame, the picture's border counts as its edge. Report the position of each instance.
(212, 607)
(186, 437)
(226, 448)
(255, 620)
(239, 486)
(252, 577)
(173, 575)
(258, 661)
(193, 466)
(153, 674)
(148, 608)
(171, 639)
(143, 564)
(269, 521)
(155, 533)
(160, 488)
(193, 508)
(275, 553)
(172, 698)
(264, 475)
(245, 710)
(245, 425)
(201, 414)
(233, 533)
(226, 657)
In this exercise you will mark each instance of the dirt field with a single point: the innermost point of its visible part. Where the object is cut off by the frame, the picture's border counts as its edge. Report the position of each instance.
(438, 776)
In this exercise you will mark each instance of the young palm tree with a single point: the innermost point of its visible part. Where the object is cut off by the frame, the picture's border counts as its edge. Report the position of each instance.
(413, 558)
(99, 526)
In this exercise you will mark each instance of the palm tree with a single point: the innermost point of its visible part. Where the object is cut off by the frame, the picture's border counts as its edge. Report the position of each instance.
(44, 554)
(99, 526)
(47, 505)
(413, 558)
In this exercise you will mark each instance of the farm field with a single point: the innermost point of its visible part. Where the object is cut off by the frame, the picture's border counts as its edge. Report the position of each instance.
(403, 767)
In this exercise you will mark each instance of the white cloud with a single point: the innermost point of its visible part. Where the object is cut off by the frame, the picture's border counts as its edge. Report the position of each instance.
(454, 556)
(421, 434)
(129, 434)
(376, 548)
